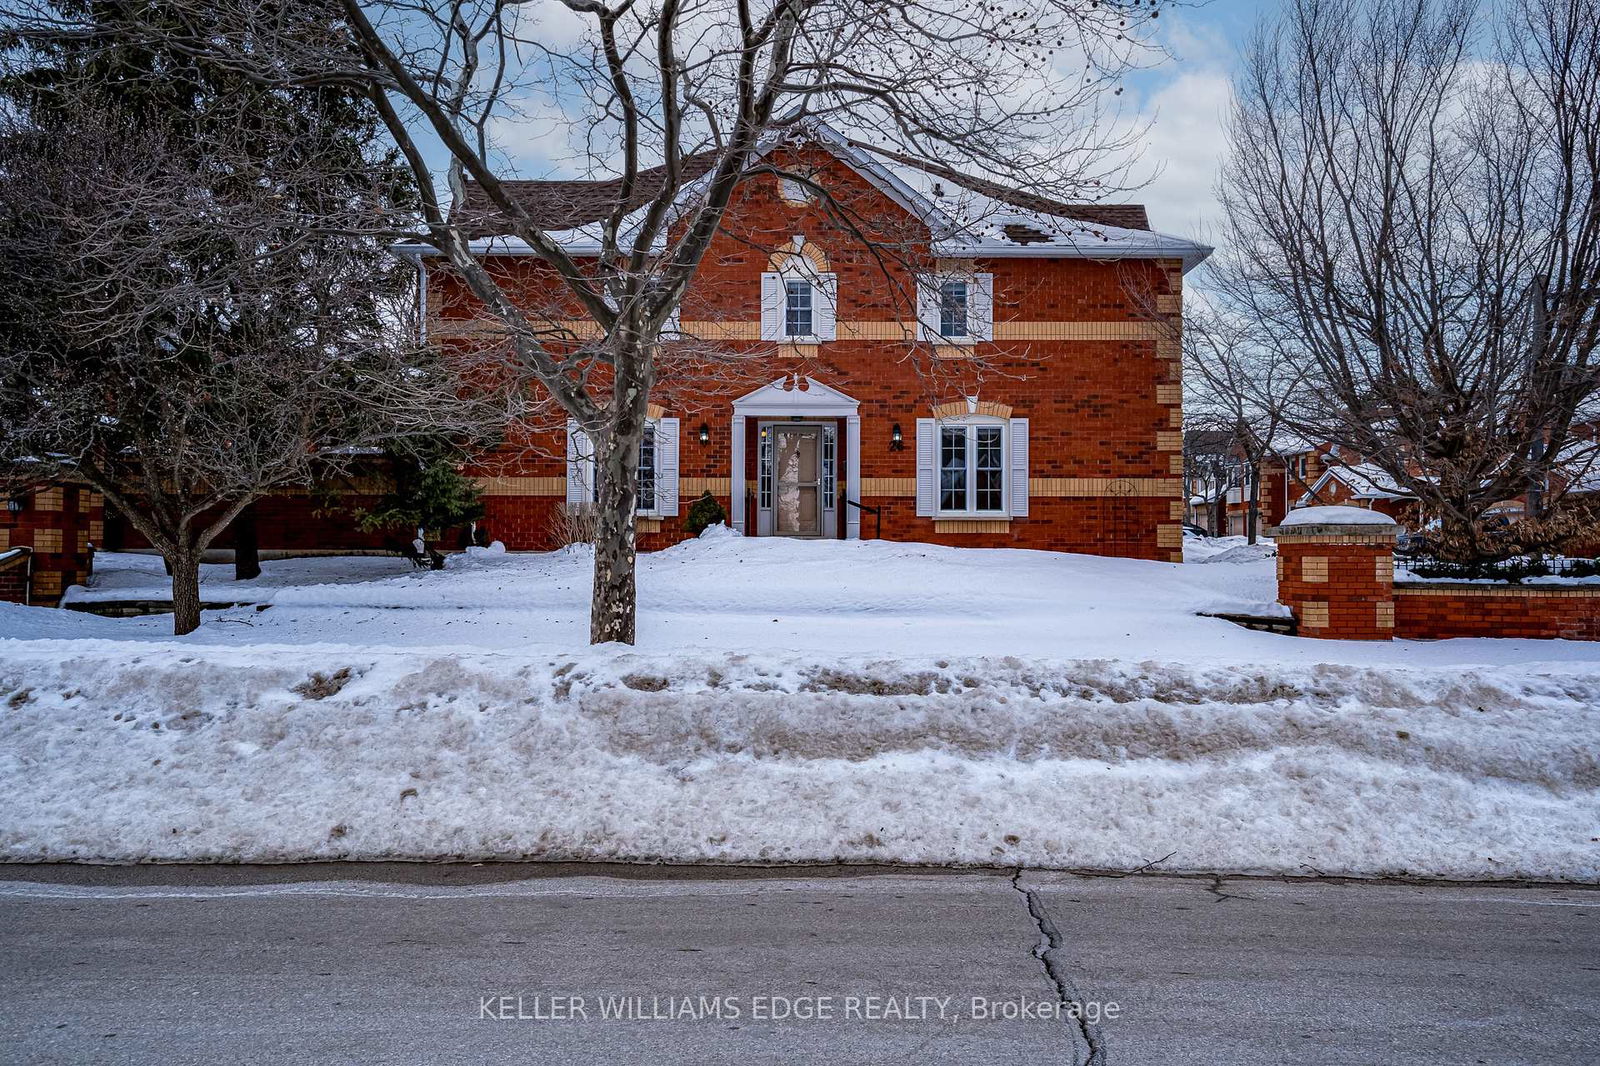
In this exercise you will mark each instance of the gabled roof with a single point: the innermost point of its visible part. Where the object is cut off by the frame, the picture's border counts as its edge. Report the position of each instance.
(567, 205)
(1364, 480)
(969, 216)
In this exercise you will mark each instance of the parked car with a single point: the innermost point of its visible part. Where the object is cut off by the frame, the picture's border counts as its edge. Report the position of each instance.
(1191, 530)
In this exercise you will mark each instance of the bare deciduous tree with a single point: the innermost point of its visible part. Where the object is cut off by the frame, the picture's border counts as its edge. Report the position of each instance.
(676, 102)
(1414, 217)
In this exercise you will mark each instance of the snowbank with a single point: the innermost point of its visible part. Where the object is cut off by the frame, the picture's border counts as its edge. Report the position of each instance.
(117, 751)
(1336, 516)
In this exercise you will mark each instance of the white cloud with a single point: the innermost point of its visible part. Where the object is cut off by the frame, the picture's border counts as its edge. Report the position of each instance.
(1185, 103)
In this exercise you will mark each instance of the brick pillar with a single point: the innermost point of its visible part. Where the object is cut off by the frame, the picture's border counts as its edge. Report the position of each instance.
(1337, 576)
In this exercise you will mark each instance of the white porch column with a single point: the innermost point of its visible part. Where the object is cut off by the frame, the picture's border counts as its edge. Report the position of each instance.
(852, 465)
(736, 474)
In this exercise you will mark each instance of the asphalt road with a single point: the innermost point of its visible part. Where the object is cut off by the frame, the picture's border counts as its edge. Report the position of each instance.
(396, 964)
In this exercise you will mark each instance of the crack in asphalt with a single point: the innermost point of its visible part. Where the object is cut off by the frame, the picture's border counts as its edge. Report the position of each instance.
(1049, 952)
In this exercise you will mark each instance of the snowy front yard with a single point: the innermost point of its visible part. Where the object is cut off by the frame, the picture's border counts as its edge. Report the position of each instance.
(792, 701)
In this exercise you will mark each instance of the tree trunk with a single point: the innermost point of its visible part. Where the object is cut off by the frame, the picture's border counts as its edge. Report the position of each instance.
(184, 565)
(246, 546)
(612, 607)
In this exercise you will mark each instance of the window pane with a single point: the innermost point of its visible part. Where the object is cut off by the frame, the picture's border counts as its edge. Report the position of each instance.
(953, 309)
(797, 309)
(990, 469)
(647, 470)
(952, 468)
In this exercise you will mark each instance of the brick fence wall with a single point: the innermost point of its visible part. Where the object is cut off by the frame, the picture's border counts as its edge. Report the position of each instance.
(1339, 582)
(1434, 611)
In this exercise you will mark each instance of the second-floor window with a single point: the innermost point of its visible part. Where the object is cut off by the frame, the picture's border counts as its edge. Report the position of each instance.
(797, 309)
(956, 308)
(953, 309)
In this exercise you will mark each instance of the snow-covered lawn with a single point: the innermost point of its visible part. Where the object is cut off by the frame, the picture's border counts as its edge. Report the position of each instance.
(792, 701)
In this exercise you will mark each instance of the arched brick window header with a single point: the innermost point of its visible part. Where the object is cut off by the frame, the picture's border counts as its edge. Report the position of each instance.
(968, 407)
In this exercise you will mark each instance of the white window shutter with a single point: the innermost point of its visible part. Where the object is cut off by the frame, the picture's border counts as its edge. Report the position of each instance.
(667, 467)
(825, 313)
(980, 307)
(580, 467)
(928, 307)
(927, 467)
(1019, 468)
(772, 295)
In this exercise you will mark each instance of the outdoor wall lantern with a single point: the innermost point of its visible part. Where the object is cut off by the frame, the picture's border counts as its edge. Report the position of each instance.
(897, 440)
(14, 504)
(705, 433)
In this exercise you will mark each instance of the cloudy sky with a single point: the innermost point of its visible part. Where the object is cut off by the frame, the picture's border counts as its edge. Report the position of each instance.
(1185, 100)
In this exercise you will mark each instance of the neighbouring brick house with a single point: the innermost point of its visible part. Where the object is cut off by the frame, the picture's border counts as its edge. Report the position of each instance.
(1359, 484)
(1218, 476)
(1028, 394)
(47, 537)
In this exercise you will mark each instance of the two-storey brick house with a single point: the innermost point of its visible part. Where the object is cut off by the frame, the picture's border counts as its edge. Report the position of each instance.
(1008, 375)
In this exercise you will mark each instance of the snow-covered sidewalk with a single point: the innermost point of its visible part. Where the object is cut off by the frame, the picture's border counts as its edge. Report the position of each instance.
(117, 752)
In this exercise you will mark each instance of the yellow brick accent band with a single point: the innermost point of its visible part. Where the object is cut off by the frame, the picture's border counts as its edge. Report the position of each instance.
(1490, 592)
(1104, 486)
(1169, 305)
(47, 540)
(1314, 568)
(655, 410)
(1169, 441)
(1314, 615)
(1168, 536)
(50, 499)
(523, 486)
(1386, 615)
(577, 329)
(694, 486)
(971, 525)
(1169, 393)
(1384, 569)
(888, 486)
(647, 525)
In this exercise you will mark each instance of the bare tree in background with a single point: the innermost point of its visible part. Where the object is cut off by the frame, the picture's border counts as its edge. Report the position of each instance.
(1414, 216)
(676, 102)
(1238, 386)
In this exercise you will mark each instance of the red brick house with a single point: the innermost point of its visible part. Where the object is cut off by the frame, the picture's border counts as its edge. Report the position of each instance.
(1020, 389)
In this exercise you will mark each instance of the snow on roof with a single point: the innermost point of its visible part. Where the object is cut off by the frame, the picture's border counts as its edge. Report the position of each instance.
(970, 216)
(1366, 481)
(980, 218)
(1336, 516)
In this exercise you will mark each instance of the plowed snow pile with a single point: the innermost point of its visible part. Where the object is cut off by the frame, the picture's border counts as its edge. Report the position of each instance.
(121, 751)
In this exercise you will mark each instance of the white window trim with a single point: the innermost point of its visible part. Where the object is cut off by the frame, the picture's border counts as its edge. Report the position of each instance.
(824, 303)
(581, 462)
(980, 308)
(972, 422)
(817, 296)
